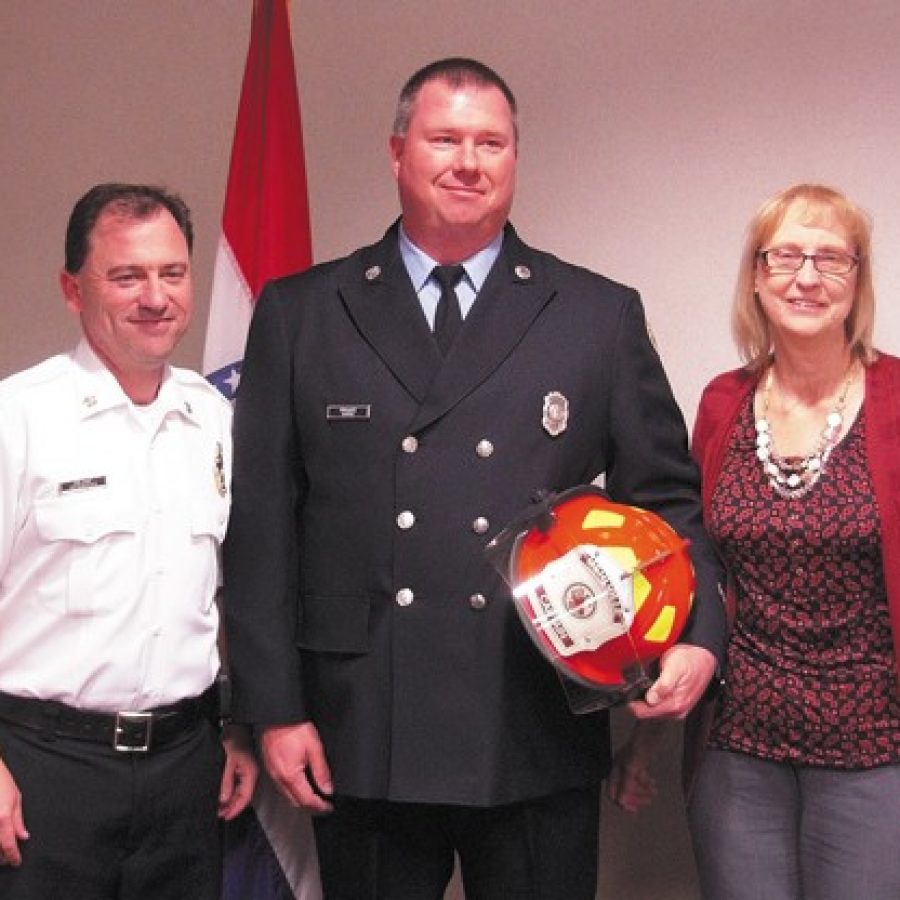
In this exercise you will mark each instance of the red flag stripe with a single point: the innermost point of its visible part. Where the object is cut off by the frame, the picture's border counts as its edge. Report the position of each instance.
(266, 215)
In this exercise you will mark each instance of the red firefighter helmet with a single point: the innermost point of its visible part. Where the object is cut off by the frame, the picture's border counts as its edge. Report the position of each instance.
(603, 588)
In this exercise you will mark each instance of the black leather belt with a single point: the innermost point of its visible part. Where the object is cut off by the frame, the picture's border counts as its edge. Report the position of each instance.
(128, 732)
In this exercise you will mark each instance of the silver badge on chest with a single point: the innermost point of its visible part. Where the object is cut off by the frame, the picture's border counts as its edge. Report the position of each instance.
(556, 413)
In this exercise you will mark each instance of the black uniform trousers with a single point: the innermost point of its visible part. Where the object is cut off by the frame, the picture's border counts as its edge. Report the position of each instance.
(542, 849)
(108, 825)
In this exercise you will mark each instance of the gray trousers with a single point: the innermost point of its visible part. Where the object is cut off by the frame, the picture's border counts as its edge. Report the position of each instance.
(774, 831)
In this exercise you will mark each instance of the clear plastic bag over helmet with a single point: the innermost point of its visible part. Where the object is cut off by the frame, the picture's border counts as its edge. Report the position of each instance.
(602, 588)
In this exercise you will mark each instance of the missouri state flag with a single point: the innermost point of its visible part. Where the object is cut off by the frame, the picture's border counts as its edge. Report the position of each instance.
(269, 850)
(265, 222)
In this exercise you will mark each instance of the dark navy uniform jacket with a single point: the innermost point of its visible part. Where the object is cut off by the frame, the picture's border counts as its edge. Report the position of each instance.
(369, 474)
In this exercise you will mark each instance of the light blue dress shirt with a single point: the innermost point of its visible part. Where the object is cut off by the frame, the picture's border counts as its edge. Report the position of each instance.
(420, 264)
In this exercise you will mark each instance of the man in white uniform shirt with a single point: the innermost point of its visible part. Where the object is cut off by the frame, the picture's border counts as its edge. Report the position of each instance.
(114, 497)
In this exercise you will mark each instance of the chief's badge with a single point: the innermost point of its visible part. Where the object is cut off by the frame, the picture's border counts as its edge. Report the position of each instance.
(219, 471)
(556, 413)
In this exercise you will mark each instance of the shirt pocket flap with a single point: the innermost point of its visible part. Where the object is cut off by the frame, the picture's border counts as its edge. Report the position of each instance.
(210, 519)
(84, 519)
(334, 624)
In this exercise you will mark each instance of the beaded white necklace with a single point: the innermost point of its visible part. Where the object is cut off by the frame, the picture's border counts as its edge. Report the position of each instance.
(794, 477)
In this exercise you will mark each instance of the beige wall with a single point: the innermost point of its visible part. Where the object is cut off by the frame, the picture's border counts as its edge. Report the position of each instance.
(651, 130)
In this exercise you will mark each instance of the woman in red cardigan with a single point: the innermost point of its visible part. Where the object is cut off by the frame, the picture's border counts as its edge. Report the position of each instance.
(795, 774)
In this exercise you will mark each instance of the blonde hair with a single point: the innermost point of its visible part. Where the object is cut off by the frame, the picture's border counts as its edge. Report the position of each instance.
(820, 204)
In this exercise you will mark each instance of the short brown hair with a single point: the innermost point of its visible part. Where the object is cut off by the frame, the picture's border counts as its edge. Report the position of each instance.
(457, 71)
(133, 201)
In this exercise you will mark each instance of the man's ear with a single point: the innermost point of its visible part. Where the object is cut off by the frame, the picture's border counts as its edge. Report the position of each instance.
(71, 290)
(395, 145)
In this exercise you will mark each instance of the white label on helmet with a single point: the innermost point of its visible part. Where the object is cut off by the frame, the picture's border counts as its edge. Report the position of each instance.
(580, 601)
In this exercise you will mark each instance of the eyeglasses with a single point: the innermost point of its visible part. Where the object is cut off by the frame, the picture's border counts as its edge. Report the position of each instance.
(827, 262)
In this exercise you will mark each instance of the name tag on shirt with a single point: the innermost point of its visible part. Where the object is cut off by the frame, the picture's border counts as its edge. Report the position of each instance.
(82, 484)
(348, 412)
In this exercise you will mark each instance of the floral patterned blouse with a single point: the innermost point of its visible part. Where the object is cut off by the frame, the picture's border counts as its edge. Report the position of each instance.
(811, 674)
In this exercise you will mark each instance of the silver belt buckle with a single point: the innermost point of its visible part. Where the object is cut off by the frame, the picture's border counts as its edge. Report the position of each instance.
(128, 722)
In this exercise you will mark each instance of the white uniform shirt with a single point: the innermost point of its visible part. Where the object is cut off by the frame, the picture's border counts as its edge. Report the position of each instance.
(111, 521)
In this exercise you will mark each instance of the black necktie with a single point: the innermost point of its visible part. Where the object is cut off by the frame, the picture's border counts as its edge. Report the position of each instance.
(447, 317)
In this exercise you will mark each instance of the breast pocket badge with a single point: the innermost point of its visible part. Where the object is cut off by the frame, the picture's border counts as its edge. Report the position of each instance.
(555, 417)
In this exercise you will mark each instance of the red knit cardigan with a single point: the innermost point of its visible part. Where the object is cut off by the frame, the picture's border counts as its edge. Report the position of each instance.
(720, 405)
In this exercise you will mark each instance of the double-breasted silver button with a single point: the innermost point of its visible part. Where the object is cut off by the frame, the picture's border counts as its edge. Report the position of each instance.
(406, 520)
(410, 444)
(480, 525)
(484, 448)
(477, 601)
(404, 597)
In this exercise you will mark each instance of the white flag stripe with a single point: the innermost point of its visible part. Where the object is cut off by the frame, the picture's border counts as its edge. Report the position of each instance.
(229, 313)
(290, 835)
